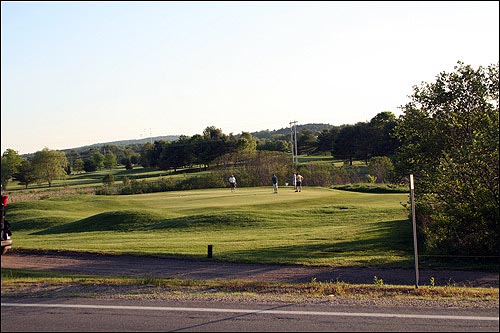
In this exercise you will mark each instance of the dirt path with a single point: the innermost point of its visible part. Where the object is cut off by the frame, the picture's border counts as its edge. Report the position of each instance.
(143, 266)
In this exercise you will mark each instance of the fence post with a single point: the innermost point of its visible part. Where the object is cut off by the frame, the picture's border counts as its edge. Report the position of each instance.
(414, 222)
(209, 255)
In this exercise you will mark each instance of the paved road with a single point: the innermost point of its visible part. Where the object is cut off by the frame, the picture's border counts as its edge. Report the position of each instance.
(139, 266)
(97, 315)
(114, 314)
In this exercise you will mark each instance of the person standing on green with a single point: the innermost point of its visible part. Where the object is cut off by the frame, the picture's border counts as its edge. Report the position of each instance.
(275, 183)
(232, 183)
(300, 179)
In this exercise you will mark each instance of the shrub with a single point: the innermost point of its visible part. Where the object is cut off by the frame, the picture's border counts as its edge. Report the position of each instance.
(381, 168)
(108, 180)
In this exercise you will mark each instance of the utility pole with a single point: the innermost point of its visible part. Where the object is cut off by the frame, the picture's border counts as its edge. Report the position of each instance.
(293, 140)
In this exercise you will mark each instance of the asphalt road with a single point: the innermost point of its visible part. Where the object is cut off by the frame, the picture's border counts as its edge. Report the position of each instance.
(97, 315)
(36, 313)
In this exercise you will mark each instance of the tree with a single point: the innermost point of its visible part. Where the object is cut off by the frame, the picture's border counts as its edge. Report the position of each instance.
(25, 174)
(380, 167)
(326, 138)
(147, 155)
(49, 165)
(307, 142)
(351, 142)
(10, 161)
(450, 141)
(365, 139)
(212, 146)
(239, 148)
(277, 142)
(151, 153)
(98, 160)
(109, 161)
(382, 126)
(135, 158)
(246, 143)
(128, 165)
(108, 180)
(213, 133)
(72, 157)
(78, 165)
(172, 156)
(89, 165)
(130, 157)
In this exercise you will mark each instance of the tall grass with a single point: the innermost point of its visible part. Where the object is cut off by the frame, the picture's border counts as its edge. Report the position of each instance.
(19, 282)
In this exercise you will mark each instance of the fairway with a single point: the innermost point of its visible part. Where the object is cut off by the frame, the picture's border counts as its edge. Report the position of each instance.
(318, 226)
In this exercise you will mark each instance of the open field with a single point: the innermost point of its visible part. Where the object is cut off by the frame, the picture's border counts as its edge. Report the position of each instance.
(315, 227)
(93, 179)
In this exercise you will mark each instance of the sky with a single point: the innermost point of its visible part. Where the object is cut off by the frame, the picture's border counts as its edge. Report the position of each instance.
(79, 73)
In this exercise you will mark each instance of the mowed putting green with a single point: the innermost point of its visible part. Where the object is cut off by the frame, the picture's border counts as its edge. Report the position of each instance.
(317, 226)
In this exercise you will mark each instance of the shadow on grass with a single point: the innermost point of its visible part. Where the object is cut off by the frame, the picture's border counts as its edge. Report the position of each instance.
(136, 221)
(357, 253)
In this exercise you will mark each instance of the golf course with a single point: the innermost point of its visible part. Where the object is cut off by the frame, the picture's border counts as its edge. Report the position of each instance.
(318, 226)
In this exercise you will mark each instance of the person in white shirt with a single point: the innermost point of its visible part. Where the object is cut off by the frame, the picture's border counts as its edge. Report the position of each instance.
(232, 183)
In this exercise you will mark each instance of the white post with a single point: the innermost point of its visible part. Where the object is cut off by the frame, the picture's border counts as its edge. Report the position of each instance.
(414, 222)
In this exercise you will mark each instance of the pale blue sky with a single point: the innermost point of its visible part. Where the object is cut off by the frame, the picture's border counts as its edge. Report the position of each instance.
(78, 73)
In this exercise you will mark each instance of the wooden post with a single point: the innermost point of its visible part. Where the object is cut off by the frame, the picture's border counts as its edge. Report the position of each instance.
(209, 255)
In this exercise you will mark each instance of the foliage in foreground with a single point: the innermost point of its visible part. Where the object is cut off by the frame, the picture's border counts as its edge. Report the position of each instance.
(450, 142)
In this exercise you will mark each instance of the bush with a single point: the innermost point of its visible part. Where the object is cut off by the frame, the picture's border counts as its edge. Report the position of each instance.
(210, 180)
(108, 180)
(317, 174)
(381, 168)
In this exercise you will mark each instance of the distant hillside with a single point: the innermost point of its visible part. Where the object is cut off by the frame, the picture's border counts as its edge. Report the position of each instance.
(123, 143)
(265, 134)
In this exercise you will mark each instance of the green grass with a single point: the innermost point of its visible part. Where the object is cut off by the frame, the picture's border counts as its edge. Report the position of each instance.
(315, 227)
(315, 158)
(92, 179)
(373, 188)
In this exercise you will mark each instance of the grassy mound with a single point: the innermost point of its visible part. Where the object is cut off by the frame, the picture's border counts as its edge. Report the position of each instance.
(133, 220)
(128, 220)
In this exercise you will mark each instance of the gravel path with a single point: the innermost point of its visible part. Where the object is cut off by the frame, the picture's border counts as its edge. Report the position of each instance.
(161, 267)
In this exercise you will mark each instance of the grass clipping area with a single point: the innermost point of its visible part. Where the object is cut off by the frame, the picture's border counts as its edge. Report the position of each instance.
(28, 283)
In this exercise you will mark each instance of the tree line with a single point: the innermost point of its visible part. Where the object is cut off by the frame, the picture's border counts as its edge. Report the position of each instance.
(213, 147)
(360, 141)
